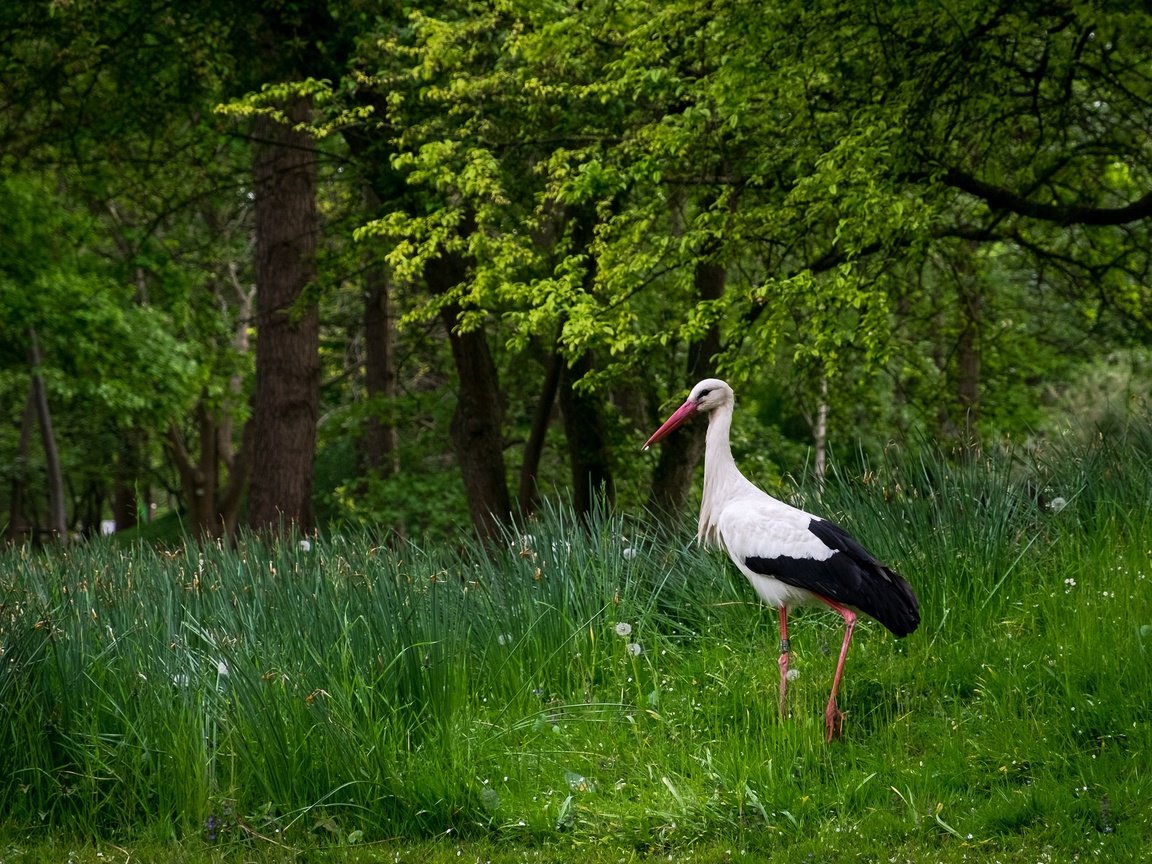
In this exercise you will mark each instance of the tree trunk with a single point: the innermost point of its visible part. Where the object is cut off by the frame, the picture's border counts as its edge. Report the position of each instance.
(125, 506)
(245, 297)
(57, 515)
(529, 494)
(589, 454)
(19, 527)
(237, 461)
(820, 433)
(232, 494)
(945, 429)
(968, 355)
(476, 429)
(588, 450)
(212, 504)
(958, 358)
(199, 475)
(378, 441)
(681, 453)
(285, 401)
(87, 509)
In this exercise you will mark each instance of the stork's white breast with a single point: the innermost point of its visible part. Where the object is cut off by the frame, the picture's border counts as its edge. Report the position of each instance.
(758, 526)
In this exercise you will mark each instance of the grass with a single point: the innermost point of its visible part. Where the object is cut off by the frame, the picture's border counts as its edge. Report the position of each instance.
(338, 700)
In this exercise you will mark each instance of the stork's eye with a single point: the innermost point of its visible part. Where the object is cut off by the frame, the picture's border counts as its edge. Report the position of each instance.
(702, 394)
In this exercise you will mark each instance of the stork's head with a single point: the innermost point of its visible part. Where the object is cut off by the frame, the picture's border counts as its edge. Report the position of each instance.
(708, 395)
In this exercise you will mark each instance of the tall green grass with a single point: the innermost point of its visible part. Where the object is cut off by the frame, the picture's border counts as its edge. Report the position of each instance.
(604, 683)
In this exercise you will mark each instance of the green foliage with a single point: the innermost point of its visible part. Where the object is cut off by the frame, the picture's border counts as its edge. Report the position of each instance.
(587, 162)
(600, 689)
(919, 211)
(422, 503)
(108, 362)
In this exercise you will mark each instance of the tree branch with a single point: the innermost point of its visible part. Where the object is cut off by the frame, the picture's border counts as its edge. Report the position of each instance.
(999, 198)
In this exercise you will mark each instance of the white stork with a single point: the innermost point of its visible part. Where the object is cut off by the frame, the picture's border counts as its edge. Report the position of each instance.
(791, 557)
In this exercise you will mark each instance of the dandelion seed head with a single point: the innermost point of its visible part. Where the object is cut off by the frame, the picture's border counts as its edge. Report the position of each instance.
(635, 649)
(793, 674)
(1057, 504)
(305, 545)
(623, 629)
(629, 553)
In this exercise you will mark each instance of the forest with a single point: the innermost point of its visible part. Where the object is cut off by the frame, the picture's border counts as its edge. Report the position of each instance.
(349, 319)
(422, 267)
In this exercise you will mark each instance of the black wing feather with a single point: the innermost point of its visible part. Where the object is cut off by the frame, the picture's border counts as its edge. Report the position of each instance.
(852, 576)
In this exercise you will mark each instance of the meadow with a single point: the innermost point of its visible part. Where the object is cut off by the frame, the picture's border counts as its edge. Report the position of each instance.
(602, 692)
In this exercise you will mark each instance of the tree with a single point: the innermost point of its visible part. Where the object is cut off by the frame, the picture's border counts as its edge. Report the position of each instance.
(873, 221)
(93, 359)
(379, 448)
(38, 400)
(285, 398)
(847, 150)
(122, 95)
(477, 422)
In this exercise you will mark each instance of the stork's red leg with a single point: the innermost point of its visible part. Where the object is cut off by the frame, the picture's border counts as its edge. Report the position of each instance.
(784, 649)
(833, 719)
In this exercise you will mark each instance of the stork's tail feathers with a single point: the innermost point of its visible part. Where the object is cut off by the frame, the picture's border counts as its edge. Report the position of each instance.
(896, 608)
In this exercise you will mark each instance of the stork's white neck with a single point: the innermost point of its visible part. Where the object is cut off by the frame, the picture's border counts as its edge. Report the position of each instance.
(722, 479)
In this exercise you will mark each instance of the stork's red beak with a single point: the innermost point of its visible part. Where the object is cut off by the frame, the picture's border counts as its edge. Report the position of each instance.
(682, 413)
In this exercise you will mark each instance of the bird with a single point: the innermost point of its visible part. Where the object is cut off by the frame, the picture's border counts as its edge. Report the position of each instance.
(790, 557)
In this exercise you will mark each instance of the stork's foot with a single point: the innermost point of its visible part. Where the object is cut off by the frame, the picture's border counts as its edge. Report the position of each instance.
(833, 722)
